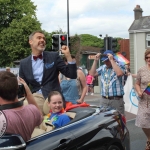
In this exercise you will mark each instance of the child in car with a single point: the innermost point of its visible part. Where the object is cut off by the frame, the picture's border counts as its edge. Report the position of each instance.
(57, 116)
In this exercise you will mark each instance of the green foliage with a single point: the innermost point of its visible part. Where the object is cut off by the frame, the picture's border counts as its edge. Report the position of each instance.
(118, 45)
(75, 44)
(17, 22)
(14, 42)
(77, 41)
(90, 40)
(48, 37)
(14, 9)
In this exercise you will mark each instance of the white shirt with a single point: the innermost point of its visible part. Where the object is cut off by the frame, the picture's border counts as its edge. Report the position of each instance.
(37, 67)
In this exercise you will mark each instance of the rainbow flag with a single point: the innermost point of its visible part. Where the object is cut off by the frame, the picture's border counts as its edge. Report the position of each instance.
(147, 90)
(121, 59)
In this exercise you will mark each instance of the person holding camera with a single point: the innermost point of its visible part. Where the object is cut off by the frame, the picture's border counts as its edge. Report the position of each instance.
(20, 119)
(40, 70)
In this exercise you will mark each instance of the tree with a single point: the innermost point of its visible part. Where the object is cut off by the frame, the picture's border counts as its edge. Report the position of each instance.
(14, 42)
(90, 40)
(75, 43)
(14, 9)
(17, 22)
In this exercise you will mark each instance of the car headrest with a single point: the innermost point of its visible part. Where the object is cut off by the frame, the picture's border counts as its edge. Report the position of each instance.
(46, 109)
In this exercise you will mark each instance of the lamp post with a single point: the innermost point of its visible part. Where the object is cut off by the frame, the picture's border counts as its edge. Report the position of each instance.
(68, 18)
(106, 44)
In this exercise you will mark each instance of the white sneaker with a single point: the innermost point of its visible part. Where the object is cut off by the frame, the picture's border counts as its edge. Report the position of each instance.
(92, 93)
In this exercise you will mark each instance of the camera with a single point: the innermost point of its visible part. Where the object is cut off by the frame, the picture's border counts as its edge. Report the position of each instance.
(21, 91)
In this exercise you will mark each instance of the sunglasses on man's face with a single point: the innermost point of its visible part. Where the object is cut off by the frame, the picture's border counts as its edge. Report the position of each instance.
(147, 57)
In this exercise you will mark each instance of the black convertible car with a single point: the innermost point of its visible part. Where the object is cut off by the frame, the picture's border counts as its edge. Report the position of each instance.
(90, 129)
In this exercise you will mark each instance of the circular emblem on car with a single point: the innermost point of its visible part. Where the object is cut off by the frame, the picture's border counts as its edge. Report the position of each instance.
(3, 123)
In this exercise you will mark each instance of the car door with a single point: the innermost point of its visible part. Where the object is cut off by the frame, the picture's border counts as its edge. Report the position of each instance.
(59, 139)
(85, 131)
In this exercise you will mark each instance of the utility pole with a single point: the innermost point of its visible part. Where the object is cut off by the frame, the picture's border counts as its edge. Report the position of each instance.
(68, 25)
(60, 32)
(68, 18)
(106, 44)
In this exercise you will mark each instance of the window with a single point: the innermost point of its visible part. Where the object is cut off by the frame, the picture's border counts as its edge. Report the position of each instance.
(148, 40)
(148, 43)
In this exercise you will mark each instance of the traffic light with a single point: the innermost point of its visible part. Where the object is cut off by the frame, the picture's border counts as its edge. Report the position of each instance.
(58, 40)
(105, 43)
(55, 42)
(63, 39)
(112, 44)
(102, 50)
(69, 42)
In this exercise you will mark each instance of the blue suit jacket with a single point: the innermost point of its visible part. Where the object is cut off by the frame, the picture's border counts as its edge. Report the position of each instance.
(53, 64)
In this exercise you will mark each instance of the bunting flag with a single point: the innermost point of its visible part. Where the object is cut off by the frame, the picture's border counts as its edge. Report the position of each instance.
(121, 59)
(147, 90)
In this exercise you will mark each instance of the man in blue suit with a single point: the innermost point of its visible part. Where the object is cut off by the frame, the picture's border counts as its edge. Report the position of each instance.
(40, 70)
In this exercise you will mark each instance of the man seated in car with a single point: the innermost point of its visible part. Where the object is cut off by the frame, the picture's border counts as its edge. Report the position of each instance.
(23, 119)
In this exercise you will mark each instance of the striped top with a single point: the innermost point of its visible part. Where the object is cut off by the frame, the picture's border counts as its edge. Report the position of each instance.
(111, 84)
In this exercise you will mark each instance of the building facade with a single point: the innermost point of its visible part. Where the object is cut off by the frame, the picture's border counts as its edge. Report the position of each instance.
(139, 35)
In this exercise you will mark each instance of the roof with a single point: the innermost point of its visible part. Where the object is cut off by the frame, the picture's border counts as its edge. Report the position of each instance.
(89, 50)
(143, 23)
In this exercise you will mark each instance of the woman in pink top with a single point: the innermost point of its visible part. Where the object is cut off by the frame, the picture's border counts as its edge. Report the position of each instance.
(90, 85)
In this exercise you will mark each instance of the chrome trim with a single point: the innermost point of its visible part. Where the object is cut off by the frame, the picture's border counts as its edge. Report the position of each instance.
(13, 147)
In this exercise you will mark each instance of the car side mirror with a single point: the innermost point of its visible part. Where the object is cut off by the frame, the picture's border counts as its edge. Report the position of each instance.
(12, 141)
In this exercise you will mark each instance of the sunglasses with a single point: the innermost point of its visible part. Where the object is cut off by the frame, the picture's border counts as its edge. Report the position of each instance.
(147, 57)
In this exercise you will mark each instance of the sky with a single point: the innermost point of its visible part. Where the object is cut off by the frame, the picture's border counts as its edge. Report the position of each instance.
(95, 17)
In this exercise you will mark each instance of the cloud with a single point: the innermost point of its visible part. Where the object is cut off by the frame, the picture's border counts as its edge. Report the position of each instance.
(90, 17)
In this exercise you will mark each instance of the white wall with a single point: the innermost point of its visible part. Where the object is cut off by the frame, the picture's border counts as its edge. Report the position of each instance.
(139, 50)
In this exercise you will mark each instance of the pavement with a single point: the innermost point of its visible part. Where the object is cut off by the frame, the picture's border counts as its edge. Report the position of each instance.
(95, 99)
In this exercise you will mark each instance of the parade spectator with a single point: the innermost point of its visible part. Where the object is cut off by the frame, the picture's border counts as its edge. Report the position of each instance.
(74, 90)
(127, 72)
(90, 84)
(111, 76)
(57, 115)
(18, 117)
(40, 70)
(80, 68)
(134, 75)
(142, 81)
(8, 69)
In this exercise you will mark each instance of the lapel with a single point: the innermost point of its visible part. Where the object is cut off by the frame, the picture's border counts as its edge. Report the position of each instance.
(44, 60)
(29, 66)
